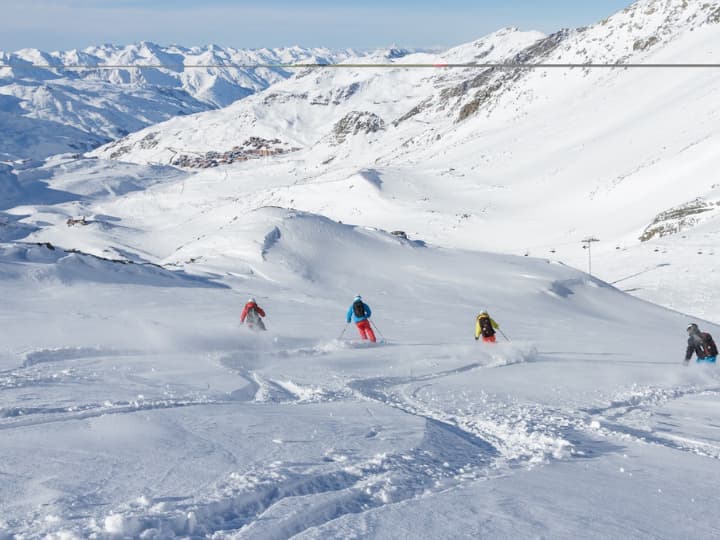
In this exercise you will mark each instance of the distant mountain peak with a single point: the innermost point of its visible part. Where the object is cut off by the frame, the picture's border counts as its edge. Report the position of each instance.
(394, 51)
(100, 105)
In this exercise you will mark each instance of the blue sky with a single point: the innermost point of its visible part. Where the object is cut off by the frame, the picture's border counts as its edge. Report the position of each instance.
(69, 24)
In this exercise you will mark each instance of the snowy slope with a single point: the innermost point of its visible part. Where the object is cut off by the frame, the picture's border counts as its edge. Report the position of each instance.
(307, 111)
(522, 161)
(133, 405)
(55, 109)
(142, 410)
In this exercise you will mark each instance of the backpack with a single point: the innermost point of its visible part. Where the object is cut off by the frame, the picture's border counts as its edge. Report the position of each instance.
(359, 309)
(486, 327)
(708, 345)
(252, 316)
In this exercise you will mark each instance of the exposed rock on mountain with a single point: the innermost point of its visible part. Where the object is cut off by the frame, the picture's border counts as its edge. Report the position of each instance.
(356, 122)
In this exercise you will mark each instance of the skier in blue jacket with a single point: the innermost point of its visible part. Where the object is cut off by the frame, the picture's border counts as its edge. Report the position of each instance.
(360, 313)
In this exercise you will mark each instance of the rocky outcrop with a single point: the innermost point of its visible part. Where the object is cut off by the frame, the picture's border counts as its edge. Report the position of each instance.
(644, 44)
(417, 109)
(482, 97)
(542, 48)
(677, 219)
(284, 97)
(356, 122)
(714, 17)
(336, 96)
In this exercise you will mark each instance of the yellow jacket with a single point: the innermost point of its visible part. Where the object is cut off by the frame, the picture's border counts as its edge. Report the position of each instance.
(478, 330)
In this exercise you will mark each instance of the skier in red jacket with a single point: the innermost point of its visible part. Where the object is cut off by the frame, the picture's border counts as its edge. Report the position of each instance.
(253, 313)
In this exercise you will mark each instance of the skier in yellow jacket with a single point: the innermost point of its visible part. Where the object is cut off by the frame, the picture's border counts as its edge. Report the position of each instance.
(485, 326)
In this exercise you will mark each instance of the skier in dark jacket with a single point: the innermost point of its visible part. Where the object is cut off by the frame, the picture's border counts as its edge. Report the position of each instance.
(253, 313)
(702, 344)
(359, 313)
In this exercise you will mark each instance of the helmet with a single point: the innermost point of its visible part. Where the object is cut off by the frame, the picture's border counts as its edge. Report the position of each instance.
(692, 328)
(483, 312)
(252, 299)
(357, 297)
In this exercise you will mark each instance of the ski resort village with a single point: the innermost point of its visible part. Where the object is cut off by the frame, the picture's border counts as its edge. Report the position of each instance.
(469, 291)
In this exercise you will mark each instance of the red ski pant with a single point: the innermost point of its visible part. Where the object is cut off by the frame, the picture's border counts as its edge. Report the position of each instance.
(489, 339)
(366, 331)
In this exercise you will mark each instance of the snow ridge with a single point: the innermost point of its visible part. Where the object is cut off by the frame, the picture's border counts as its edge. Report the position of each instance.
(55, 109)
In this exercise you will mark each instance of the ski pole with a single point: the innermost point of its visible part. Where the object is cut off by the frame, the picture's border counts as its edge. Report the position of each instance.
(343, 332)
(379, 332)
(503, 334)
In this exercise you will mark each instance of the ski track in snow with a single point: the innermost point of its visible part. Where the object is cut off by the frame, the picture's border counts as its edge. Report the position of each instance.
(607, 421)
(33, 416)
(31, 374)
(492, 439)
(453, 450)
(63, 354)
(254, 504)
(673, 442)
(526, 439)
(34, 378)
(488, 439)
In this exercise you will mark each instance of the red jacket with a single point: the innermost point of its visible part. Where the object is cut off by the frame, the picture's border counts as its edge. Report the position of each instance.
(248, 307)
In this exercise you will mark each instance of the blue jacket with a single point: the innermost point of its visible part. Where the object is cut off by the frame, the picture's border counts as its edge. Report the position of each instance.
(352, 317)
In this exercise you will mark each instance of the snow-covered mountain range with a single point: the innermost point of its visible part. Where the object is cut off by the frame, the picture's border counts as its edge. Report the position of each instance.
(132, 405)
(520, 160)
(75, 104)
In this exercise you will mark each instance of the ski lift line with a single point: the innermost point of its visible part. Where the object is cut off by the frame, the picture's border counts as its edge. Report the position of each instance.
(708, 248)
(552, 245)
(503, 66)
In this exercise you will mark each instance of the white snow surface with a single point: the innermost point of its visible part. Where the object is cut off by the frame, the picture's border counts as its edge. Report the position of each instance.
(134, 405)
